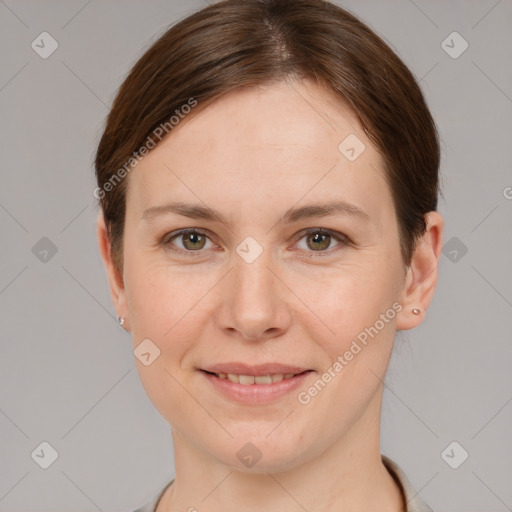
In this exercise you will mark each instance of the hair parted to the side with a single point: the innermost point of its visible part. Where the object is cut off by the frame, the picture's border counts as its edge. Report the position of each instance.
(238, 43)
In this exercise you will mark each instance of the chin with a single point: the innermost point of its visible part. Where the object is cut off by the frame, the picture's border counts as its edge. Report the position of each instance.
(258, 453)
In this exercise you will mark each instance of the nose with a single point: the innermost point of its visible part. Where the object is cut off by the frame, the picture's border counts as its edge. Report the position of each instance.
(255, 301)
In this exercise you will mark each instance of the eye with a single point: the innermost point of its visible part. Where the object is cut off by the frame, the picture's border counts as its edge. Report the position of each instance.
(193, 240)
(318, 239)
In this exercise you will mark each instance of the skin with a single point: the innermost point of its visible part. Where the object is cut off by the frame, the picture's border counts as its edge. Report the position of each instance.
(253, 154)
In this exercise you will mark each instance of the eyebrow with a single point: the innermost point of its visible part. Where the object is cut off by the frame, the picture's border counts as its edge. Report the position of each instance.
(195, 211)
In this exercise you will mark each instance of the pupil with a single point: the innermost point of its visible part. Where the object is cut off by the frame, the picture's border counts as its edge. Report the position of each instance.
(193, 239)
(321, 239)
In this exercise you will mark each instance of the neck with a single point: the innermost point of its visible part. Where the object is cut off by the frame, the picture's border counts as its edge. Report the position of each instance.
(340, 478)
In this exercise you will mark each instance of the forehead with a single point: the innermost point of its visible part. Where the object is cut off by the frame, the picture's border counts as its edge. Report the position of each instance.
(270, 117)
(274, 142)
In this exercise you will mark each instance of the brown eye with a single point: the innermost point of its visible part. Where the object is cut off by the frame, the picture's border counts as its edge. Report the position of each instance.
(193, 241)
(186, 240)
(318, 241)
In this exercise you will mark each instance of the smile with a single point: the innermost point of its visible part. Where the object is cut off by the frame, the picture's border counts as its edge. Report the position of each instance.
(248, 380)
(251, 389)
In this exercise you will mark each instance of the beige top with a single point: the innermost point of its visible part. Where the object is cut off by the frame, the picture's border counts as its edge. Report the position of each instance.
(412, 499)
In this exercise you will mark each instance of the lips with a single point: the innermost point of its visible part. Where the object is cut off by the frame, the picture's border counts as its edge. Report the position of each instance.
(260, 384)
(237, 368)
(248, 380)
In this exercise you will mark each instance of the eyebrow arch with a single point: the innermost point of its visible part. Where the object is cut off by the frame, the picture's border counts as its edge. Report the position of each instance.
(195, 211)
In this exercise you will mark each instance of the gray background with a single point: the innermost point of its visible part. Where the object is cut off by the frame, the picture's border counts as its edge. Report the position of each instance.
(67, 371)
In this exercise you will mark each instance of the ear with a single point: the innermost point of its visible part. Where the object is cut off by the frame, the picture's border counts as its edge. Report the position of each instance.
(421, 277)
(115, 279)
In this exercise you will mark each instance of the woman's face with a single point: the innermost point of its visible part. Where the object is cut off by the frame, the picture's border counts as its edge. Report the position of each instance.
(258, 290)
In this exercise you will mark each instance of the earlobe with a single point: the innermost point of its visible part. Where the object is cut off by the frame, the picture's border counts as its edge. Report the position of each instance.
(422, 274)
(115, 280)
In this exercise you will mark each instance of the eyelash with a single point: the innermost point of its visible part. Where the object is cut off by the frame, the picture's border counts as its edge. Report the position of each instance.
(340, 238)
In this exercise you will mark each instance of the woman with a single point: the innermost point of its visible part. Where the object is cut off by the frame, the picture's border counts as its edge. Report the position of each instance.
(268, 181)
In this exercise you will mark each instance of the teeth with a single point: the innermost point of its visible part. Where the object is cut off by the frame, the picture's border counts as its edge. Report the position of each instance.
(248, 380)
(263, 379)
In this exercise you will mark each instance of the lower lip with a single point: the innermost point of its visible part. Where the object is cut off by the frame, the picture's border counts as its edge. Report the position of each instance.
(255, 393)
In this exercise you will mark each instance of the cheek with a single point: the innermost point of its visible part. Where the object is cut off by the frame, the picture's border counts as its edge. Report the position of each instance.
(154, 291)
(360, 312)
(157, 300)
(148, 299)
(346, 300)
(161, 305)
(168, 306)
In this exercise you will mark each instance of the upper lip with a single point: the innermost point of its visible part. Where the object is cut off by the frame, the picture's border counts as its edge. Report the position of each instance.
(255, 370)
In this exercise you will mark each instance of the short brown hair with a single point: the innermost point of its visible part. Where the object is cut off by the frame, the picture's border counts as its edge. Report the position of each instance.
(238, 43)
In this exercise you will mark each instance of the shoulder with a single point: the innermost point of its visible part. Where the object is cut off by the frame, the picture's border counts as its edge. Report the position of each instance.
(150, 506)
(412, 498)
(414, 503)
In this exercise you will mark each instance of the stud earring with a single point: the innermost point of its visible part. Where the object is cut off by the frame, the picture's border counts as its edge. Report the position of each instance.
(416, 311)
(121, 320)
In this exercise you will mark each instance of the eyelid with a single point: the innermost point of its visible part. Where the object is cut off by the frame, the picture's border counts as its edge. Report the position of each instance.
(166, 240)
(342, 240)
